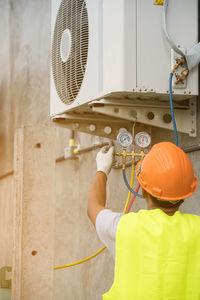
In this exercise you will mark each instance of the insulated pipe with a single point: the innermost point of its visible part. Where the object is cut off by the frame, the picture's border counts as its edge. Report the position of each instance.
(164, 27)
(90, 148)
(192, 148)
(81, 151)
(118, 166)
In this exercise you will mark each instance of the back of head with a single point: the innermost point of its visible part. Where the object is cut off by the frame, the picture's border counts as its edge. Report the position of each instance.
(166, 173)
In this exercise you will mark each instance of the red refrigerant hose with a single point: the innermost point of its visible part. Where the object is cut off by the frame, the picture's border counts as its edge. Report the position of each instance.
(132, 200)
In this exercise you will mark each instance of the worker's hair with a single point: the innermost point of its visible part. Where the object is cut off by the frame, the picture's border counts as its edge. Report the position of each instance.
(166, 204)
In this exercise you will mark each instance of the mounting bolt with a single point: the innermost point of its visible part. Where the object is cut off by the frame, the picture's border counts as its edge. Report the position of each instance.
(150, 115)
(167, 118)
(92, 127)
(107, 130)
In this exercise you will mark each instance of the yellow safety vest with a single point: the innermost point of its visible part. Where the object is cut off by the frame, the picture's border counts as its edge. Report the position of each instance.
(157, 257)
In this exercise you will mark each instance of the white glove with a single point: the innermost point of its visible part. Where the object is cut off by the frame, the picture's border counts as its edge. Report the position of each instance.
(104, 159)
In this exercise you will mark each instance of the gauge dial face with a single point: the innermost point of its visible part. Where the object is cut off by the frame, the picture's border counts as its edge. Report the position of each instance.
(142, 139)
(125, 139)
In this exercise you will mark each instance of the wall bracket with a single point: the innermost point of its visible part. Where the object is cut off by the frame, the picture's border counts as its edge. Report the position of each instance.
(159, 116)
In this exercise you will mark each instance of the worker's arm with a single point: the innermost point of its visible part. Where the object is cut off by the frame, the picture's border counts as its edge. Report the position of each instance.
(97, 192)
(97, 196)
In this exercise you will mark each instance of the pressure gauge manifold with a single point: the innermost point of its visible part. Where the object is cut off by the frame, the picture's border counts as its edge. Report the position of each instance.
(142, 140)
(124, 138)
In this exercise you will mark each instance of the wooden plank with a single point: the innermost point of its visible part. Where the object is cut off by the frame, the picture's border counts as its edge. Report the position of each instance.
(33, 255)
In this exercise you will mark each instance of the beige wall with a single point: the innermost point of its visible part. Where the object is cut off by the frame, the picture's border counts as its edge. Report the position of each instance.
(24, 91)
(6, 150)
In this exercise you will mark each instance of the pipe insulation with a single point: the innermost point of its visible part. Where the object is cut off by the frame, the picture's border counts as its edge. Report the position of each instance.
(192, 56)
(164, 27)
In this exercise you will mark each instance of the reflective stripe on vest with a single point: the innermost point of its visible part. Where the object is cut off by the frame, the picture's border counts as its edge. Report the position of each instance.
(157, 257)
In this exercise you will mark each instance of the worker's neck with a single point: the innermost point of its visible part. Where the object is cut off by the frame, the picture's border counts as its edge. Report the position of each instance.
(168, 211)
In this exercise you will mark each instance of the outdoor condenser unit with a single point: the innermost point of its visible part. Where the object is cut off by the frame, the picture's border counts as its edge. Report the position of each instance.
(110, 64)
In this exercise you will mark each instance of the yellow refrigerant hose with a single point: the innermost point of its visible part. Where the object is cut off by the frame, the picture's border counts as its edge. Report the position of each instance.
(102, 249)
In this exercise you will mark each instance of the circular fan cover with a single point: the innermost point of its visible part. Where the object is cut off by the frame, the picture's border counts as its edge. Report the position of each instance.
(70, 49)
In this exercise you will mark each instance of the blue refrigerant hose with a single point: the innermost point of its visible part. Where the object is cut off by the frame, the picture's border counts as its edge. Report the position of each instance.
(172, 109)
(175, 133)
(128, 186)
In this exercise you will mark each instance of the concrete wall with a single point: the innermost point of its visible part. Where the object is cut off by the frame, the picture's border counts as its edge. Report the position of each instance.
(24, 90)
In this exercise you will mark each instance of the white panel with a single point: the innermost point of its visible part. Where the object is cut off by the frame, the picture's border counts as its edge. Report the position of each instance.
(119, 45)
(153, 51)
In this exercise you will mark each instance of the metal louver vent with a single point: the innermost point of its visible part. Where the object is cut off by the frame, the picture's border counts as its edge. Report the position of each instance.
(70, 49)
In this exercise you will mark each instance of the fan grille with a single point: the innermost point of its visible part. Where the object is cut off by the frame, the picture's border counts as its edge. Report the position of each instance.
(68, 76)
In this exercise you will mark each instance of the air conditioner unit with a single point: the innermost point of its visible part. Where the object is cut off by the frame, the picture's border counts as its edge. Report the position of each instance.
(110, 57)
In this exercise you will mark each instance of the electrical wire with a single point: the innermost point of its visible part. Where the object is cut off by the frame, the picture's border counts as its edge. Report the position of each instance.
(103, 248)
(172, 109)
(128, 186)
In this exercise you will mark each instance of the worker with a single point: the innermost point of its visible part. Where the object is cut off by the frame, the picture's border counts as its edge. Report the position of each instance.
(156, 250)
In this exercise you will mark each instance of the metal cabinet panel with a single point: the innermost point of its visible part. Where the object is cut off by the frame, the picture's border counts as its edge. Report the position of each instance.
(153, 51)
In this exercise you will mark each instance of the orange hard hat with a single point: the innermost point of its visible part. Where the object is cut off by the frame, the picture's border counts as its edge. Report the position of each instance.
(166, 172)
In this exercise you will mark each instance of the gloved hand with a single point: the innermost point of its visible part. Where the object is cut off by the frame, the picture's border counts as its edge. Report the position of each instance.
(104, 159)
